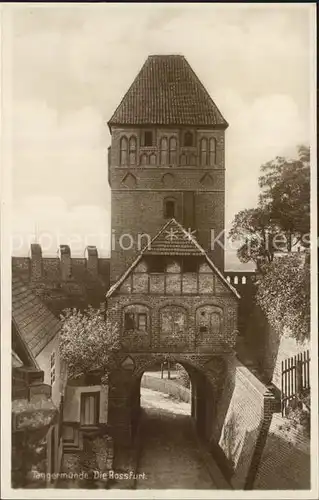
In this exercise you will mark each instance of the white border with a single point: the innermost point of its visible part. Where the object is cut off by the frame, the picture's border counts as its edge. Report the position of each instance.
(6, 490)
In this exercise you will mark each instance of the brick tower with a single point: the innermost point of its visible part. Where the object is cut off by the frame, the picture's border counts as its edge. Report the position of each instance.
(166, 160)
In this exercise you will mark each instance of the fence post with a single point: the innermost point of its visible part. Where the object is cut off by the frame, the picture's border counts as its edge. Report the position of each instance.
(299, 377)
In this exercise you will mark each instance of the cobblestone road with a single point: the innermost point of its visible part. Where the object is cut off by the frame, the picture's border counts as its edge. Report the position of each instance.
(170, 457)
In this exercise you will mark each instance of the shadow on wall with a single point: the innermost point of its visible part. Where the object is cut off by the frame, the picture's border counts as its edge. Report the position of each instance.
(238, 423)
(284, 466)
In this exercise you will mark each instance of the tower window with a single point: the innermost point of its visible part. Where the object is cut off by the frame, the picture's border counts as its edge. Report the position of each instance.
(147, 138)
(163, 151)
(203, 152)
(132, 150)
(172, 150)
(169, 209)
(188, 139)
(123, 151)
(212, 151)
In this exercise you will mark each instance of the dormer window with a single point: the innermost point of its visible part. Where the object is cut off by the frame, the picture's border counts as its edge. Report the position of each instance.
(147, 138)
(188, 139)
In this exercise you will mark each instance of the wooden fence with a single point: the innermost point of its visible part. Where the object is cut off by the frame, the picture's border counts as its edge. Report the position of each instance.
(295, 378)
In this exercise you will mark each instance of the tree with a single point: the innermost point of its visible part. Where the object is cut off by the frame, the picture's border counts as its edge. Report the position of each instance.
(285, 195)
(254, 229)
(88, 341)
(283, 292)
(282, 217)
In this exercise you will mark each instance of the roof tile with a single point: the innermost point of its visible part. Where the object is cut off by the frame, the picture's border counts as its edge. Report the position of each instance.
(166, 91)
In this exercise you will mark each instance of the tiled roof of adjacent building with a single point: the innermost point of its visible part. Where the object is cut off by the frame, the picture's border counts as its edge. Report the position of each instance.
(166, 91)
(35, 323)
(172, 239)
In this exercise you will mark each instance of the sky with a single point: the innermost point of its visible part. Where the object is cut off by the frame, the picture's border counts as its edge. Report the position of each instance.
(71, 66)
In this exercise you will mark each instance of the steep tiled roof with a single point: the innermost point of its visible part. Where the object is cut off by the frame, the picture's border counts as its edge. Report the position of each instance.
(163, 243)
(166, 91)
(173, 239)
(36, 324)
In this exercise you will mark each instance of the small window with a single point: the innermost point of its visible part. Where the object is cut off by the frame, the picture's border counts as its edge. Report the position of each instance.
(169, 209)
(142, 321)
(52, 368)
(190, 265)
(90, 404)
(147, 138)
(188, 139)
(129, 323)
(156, 264)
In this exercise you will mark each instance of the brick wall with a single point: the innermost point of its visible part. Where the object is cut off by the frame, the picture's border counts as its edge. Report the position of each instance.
(285, 461)
(239, 422)
(65, 281)
(137, 200)
(151, 340)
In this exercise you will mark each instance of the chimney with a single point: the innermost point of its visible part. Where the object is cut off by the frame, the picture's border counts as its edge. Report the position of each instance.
(92, 260)
(36, 261)
(65, 262)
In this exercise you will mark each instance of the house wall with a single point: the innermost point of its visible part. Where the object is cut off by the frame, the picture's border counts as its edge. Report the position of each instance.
(44, 361)
(72, 402)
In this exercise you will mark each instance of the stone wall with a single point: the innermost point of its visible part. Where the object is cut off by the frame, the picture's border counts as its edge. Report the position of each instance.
(285, 461)
(167, 386)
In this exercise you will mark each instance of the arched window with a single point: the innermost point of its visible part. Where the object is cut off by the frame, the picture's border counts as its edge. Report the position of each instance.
(169, 208)
(212, 151)
(153, 159)
(236, 280)
(208, 321)
(203, 152)
(163, 151)
(183, 159)
(243, 280)
(172, 150)
(143, 159)
(188, 139)
(132, 150)
(173, 321)
(123, 151)
(136, 317)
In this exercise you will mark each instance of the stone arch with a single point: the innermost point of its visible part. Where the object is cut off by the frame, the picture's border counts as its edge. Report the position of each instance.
(207, 375)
